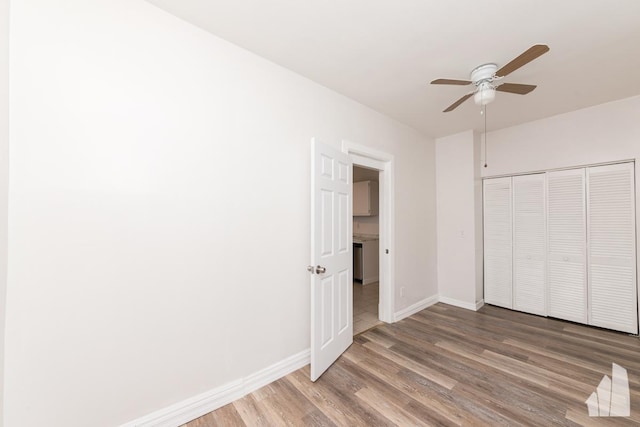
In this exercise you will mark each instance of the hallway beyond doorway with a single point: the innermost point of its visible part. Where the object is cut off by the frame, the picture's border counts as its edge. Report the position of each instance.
(365, 306)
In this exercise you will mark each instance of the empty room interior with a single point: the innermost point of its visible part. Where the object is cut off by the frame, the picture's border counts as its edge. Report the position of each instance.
(319, 213)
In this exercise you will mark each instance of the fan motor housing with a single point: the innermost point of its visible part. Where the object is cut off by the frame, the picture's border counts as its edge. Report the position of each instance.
(483, 73)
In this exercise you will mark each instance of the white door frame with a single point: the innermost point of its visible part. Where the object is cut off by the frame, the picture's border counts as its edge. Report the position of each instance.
(384, 162)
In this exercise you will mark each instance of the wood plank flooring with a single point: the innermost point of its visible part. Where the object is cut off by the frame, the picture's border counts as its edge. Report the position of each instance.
(451, 367)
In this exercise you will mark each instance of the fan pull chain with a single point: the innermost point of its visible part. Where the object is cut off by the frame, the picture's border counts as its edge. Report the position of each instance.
(484, 112)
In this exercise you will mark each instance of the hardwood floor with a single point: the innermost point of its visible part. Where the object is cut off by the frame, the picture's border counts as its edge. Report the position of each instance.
(449, 366)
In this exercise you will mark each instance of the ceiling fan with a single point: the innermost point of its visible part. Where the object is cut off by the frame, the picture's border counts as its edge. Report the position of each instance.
(487, 79)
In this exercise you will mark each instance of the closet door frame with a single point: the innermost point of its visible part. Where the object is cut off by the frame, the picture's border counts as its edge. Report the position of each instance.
(636, 193)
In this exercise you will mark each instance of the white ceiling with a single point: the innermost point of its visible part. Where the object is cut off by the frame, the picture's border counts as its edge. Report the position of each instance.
(384, 53)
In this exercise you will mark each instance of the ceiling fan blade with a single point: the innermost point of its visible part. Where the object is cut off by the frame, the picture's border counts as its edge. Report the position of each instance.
(527, 56)
(458, 102)
(516, 88)
(451, 82)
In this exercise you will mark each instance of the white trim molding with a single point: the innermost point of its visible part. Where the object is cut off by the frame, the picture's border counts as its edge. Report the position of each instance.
(199, 405)
(414, 308)
(362, 155)
(462, 304)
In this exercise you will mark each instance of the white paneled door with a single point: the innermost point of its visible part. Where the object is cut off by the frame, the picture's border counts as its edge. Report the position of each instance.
(566, 222)
(611, 247)
(529, 244)
(331, 256)
(498, 288)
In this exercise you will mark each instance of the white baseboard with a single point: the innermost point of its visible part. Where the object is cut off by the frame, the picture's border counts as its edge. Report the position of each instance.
(196, 406)
(414, 308)
(370, 280)
(462, 304)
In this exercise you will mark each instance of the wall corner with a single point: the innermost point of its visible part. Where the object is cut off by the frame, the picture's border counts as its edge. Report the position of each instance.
(478, 220)
(4, 186)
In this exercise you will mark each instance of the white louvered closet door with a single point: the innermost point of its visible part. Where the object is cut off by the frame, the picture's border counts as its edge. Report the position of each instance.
(566, 237)
(529, 244)
(611, 245)
(497, 242)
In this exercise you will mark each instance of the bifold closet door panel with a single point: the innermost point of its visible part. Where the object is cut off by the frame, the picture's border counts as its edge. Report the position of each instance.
(566, 243)
(497, 242)
(529, 244)
(611, 244)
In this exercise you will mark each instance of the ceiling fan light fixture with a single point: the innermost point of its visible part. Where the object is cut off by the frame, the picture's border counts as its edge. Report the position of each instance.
(488, 78)
(485, 94)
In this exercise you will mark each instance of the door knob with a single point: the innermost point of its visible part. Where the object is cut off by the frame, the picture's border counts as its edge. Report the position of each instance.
(316, 270)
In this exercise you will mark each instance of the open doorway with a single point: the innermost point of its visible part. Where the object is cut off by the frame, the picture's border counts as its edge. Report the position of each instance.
(370, 158)
(366, 249)
(331, 246)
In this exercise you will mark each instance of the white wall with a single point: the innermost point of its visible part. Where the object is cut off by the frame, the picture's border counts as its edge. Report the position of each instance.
(4, 178)
(478, 219)
(604, 133)
(159, 210)
(458, 204)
